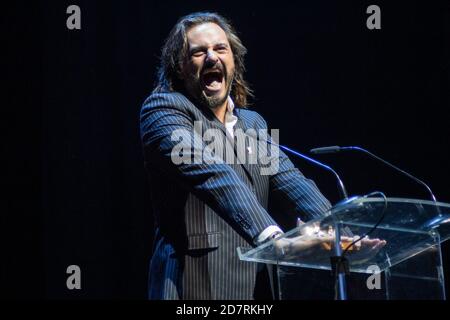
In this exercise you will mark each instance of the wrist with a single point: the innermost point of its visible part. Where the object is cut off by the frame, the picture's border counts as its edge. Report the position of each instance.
(266, 236)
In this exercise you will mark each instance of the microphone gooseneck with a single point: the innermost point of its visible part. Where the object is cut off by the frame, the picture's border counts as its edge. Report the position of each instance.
(342, 189)
(334, 149)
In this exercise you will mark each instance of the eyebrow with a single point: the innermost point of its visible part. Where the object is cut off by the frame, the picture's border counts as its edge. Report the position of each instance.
(200, 48)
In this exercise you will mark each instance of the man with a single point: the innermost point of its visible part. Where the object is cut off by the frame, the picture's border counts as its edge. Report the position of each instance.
(205, 210)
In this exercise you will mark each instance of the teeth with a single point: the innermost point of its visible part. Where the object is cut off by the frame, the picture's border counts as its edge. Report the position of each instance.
(212, 71)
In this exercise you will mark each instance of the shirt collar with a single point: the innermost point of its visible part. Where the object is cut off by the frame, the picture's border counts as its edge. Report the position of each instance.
(230, 118)
(230, 105)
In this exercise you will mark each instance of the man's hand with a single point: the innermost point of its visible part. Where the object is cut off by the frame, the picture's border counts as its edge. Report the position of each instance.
(320, 245)
(303, 245)
(368, 249)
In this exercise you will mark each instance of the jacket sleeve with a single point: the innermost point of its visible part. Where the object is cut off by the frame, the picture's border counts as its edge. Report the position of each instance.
(211, 180)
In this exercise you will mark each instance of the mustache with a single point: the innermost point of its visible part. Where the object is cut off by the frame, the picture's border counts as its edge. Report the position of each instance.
(210, 64)
(214, 67)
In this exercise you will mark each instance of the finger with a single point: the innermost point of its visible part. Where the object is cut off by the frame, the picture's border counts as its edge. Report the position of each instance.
(378, 246)
(370, 242)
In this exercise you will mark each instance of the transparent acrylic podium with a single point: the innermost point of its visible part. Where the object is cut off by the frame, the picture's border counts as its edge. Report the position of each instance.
(409, 266)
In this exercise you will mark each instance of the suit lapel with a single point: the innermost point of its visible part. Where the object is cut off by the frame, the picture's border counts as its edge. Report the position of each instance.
(250, 169)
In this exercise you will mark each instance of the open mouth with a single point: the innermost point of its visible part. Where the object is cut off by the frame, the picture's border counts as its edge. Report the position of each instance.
(212, 80)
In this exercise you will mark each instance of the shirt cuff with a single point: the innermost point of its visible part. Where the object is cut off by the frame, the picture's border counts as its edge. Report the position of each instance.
(267, 232)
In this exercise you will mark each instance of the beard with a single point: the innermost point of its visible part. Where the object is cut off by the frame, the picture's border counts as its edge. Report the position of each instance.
(194, 87)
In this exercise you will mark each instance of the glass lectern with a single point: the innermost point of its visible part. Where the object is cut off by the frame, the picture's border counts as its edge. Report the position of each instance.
(408, 266)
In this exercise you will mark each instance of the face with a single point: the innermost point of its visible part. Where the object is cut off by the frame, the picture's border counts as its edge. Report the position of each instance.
(209, 69)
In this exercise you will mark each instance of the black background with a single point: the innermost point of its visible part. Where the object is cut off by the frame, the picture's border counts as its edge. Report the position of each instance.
(74, 175)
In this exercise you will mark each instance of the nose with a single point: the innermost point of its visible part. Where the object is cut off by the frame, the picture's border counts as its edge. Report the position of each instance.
(211, 58)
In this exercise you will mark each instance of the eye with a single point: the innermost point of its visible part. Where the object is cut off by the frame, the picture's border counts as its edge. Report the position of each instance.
(197, 53)
(222, 49)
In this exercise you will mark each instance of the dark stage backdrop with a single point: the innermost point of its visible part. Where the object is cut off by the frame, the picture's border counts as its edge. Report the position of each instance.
(319, 75)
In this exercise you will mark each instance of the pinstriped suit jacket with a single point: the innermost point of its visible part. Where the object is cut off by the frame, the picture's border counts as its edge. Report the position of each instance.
(203, 212)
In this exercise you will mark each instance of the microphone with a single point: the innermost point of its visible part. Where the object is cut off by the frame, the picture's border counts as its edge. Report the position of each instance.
(334, 149)
(341, 186)
(434, 222)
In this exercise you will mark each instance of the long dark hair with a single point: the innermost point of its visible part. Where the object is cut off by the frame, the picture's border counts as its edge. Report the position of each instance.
(175, 50)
